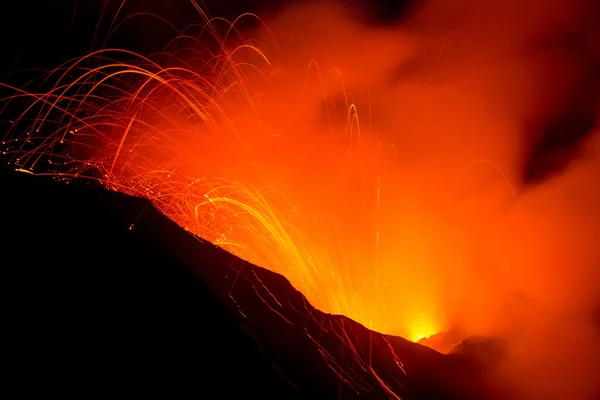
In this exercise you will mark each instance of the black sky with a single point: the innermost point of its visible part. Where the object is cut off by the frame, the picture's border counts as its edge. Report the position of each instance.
(43, 34)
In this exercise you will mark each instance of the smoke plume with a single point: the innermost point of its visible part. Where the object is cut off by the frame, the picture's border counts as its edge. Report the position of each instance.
(478, 129)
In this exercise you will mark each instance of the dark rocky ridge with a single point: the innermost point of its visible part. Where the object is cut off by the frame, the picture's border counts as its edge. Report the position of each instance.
(94, 304)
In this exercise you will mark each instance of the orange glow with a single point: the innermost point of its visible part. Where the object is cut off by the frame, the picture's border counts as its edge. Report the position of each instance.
(265, 155)
(379, 169)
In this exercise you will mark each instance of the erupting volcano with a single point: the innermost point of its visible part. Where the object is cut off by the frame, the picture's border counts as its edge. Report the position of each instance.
(432, 174)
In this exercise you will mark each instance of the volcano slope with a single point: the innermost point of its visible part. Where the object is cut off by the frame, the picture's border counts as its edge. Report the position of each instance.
(104, 294)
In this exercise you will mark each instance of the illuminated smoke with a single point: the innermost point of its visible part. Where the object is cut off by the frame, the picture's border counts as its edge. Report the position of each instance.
(400, 175)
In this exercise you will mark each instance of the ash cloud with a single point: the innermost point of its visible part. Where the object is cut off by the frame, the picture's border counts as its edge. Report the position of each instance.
(509, 248)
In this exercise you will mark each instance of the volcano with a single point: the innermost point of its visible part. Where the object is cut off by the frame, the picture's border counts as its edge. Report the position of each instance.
(279, 200)
(103, 293)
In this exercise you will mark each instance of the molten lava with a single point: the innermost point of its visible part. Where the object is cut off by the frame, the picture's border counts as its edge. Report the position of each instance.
(380, 169)
(264, 154)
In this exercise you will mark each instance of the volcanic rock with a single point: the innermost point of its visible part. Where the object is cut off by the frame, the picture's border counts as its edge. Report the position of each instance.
(103, 294)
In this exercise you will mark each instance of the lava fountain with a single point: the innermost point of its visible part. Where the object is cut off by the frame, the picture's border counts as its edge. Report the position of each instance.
(265, 155)
(379, 168)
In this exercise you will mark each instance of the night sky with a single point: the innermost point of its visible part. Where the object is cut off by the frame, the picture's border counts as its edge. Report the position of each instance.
(553, 128)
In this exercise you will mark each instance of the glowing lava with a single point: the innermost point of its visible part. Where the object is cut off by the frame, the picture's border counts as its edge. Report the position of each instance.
(376, 167)
(267, 154)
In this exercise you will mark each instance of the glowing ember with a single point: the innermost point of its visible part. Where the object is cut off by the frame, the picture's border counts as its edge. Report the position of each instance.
(262, 155)
(378, 169)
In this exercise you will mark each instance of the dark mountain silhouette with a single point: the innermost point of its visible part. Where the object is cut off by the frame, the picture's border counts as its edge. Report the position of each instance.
(104, 294)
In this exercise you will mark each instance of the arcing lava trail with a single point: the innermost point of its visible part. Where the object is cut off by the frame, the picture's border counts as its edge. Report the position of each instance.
(432, 173)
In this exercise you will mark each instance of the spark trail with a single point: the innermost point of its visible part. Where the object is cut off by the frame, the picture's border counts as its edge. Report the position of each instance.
(230, 149)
